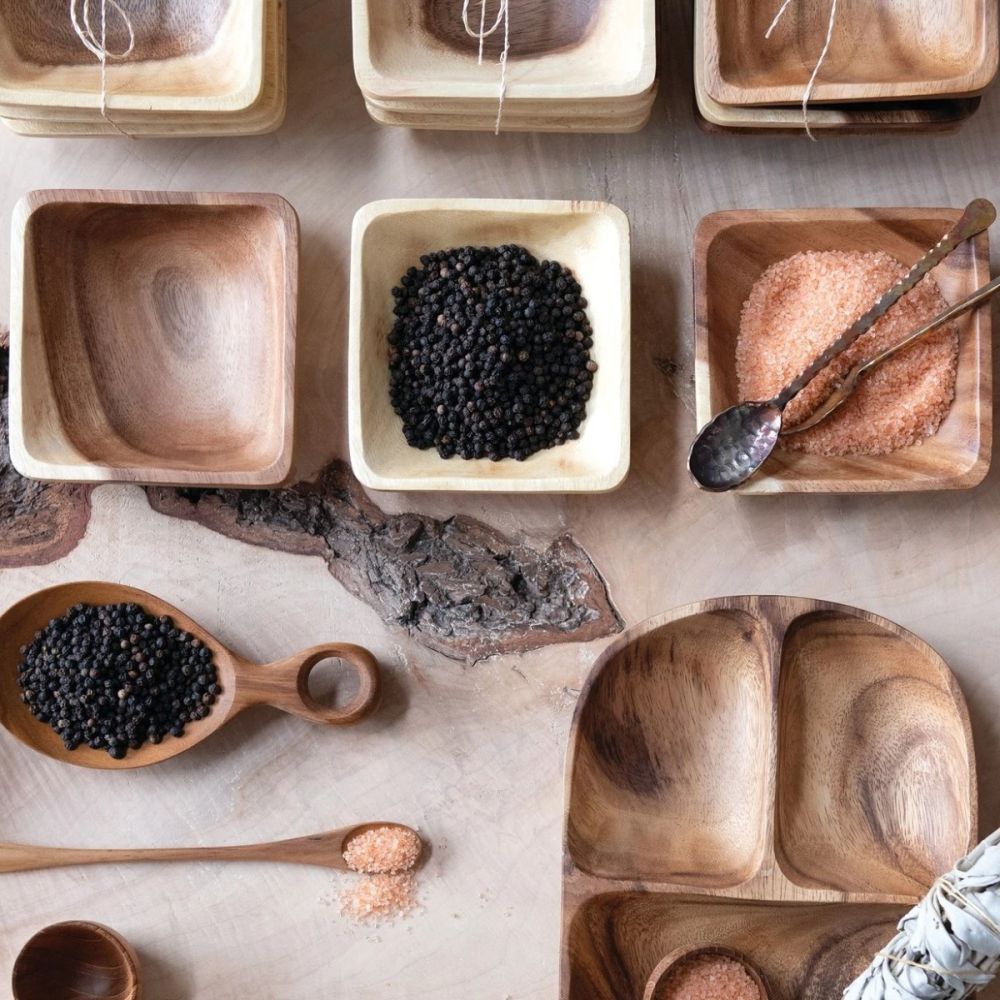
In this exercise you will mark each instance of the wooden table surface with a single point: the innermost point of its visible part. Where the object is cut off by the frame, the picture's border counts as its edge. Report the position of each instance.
(472, 753)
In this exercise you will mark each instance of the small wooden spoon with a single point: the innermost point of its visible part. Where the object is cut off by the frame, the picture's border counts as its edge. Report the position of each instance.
(658, 978)
(322, 850)
(78, 959)
(283, 685)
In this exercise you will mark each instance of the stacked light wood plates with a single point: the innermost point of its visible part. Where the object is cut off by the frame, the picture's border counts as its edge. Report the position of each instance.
(893, 65)
(578, 66)
(197, 69)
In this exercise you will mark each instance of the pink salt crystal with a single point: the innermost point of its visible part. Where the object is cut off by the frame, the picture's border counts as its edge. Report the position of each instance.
(708, 977)
(801, 305)
(383, 850)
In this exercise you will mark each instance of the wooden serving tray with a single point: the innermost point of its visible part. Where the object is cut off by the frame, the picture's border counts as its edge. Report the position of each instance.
(776, 775)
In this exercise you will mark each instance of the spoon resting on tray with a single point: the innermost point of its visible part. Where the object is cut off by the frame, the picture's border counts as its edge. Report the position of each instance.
(732, 446)
(322, 850)
(283, 685)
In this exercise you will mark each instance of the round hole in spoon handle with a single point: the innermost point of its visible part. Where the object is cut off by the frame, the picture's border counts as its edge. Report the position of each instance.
(285, 685)
(77, 959)
(658, 982)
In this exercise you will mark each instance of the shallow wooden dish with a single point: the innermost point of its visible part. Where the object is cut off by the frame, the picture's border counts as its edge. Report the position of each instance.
(265, 115)
(732, 249)
(779, 776)
(881, 51)
(591, 238)
(582, 49)
(153, 337)
(933, 115)
(191, 55)
(77, 959)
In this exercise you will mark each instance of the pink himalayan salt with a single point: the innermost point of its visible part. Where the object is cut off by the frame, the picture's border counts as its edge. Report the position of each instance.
(708, 977)
(802, 304)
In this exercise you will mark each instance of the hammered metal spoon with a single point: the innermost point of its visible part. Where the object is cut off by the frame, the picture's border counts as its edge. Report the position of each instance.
(732, 446)
(851, 380)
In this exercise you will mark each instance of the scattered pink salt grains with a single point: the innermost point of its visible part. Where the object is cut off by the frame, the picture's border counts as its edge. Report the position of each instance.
(800, 305)
(385, 857)
(708, 977)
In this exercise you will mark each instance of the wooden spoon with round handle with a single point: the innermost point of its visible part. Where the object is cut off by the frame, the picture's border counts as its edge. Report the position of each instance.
(323, 850)
(283, 685)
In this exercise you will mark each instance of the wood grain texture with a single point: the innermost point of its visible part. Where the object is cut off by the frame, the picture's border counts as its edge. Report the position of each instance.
(591, 240)
(199, 291)
(588, 50)
(283, 685)
(320, 850)
(733, 249)
(458, 586)
(205, 57)
(78, 959)
(886, 50)
(768, 753)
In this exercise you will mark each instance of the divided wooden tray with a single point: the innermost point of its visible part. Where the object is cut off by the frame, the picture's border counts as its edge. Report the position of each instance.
(780, 776)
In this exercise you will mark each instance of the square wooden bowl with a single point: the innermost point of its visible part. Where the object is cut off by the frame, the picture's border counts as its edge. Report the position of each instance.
(190, 55)
(153, 337)
(576, 50)
(591, 238)
(732, 250)
(881, 50)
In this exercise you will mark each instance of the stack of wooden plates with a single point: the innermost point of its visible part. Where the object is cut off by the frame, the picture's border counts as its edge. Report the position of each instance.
(892, 66)
(196, 69)
(575, 66)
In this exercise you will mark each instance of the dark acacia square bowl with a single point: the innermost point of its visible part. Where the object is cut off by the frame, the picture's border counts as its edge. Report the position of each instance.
(153, 337)
(733, 249)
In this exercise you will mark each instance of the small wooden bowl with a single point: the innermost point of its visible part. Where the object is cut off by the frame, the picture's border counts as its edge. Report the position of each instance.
(153, 337)
(591, 50)
(591, 238)
(190, 56)
(732, 250)
(655, 987)
(880, 51)
(78, 959)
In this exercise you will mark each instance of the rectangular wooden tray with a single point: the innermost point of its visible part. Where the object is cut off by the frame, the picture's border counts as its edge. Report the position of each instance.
(781, 776)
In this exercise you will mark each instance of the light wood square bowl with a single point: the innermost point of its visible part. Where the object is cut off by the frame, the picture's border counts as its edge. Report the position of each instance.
(577, 49)
(153, 337)
(590, 238)
(190, 55)
(881, 50)
(732, 250)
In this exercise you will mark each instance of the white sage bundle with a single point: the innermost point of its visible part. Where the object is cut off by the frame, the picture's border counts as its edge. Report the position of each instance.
(948, 945)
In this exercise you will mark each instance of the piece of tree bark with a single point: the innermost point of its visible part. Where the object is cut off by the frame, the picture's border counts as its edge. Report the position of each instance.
(39, 522)
(457, 585)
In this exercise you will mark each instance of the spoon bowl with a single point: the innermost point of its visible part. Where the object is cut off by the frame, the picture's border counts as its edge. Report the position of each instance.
(732, 446)
(283, 685)
(77, 959)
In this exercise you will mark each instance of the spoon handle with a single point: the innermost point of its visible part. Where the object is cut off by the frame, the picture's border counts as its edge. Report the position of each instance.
(853, 377)
(978, 215)
(324, 850)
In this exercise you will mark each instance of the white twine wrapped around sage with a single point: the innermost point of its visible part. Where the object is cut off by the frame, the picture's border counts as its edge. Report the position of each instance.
(96, 41)
(810, 86)
(482, 33)
(948, 945)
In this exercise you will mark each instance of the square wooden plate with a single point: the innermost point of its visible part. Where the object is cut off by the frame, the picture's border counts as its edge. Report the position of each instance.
(153, 337)
(591, 238)
(732, 250)
(880, 50)
(584, 49)
(196, 55)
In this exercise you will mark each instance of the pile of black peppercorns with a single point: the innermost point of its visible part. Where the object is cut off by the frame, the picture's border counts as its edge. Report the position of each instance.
(113, 677)
(490, 353)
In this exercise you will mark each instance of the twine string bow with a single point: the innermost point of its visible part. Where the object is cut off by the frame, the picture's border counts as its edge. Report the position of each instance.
(811, 85)
(96, 41)
(482, 33)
